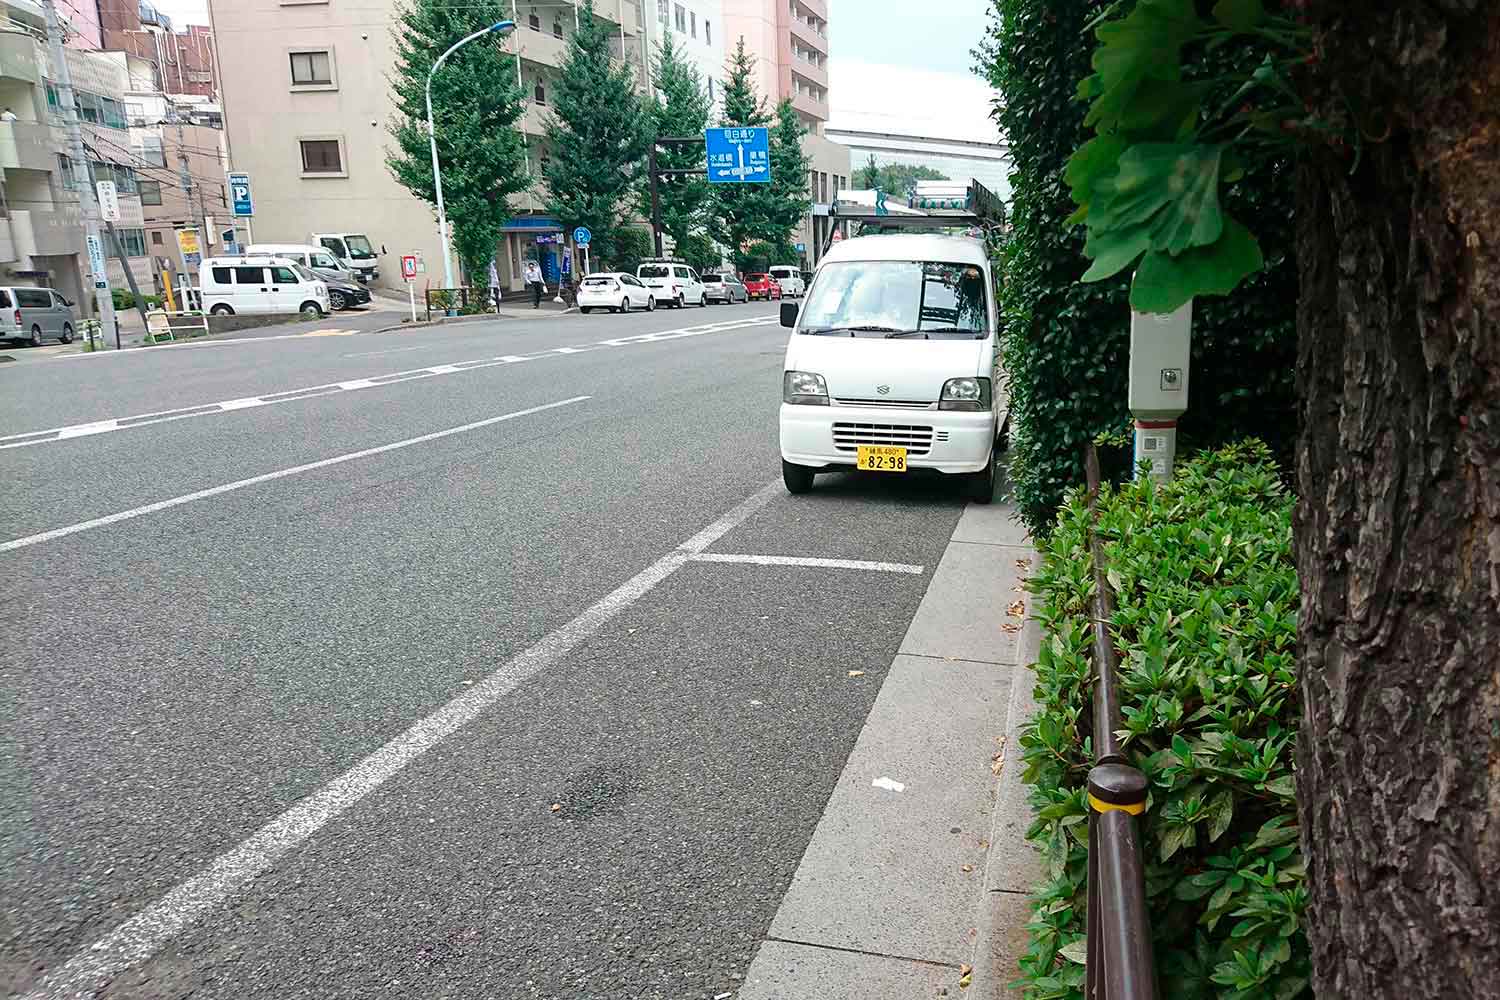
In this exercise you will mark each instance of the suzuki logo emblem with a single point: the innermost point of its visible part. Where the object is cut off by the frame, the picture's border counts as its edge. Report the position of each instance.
(884, 390)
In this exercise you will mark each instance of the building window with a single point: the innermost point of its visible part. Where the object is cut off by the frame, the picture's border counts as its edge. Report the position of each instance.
(312, 69)
(533, 22)
(133, 241)
(150, 192)
(321, 156)
(693, 23)
(156, 238)
(708, 32)
(539, 93)
(151, 152)
(710, 90)
(557, 28)
(661, 11)
(681, 16)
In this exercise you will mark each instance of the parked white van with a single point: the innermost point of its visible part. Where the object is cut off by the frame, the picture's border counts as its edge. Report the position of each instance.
(252, 285)
(894, 363)
(790, 280)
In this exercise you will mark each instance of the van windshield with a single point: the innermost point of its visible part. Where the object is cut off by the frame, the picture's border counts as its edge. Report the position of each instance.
(359, 248)
(898, 298)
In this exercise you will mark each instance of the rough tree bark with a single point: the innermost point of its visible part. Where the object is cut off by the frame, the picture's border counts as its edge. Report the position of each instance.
(1398, 527)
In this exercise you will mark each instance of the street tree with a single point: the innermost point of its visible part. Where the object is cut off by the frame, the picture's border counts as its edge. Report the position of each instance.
(869, 174)
(680, 109)
(898, 178)
(476, 104)
(597, 136)
(742, 209)
(789, 195)
(1394, 112)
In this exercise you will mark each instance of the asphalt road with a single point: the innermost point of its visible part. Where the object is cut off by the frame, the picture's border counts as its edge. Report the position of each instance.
(381, 664)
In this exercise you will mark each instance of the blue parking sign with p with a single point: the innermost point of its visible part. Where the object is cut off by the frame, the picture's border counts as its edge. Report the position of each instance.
(239, 194)
(582, 236)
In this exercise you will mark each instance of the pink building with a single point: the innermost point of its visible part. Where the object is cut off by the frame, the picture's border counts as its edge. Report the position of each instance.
(82, 25)
(789, 41)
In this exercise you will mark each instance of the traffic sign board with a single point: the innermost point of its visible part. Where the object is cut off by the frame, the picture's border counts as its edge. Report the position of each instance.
(109, 200)
(409, 266)
(582, 236)
(96, 262)
(239, 194)
(738, 155)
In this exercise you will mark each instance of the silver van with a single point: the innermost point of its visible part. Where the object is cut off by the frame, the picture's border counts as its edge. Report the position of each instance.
(35, 315)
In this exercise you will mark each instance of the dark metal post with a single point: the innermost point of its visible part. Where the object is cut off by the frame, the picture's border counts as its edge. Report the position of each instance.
(655, 201)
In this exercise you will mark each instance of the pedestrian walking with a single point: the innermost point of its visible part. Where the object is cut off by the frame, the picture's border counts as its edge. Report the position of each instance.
(494, 286)
(535, 283)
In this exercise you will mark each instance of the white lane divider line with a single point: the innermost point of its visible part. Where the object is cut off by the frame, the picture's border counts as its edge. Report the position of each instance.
(160, 505)
(855, 564)
(146, 933)
(29, 438)
(886, 784)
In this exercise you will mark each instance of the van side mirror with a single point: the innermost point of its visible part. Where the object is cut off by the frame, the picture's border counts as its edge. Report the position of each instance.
(789, 314)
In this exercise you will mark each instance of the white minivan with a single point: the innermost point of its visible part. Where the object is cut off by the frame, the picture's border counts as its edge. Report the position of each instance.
(894, 363)
(790, 280)
(261, 284)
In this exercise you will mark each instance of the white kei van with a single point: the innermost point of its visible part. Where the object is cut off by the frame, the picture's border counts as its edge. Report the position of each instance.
(261, 284)
(893, 363)
(790, 280)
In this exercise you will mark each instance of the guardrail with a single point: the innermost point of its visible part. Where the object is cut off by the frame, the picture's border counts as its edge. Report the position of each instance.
(163, 326)
(1120, 963)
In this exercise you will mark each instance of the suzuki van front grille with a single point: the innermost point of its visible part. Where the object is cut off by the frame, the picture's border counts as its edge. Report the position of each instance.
(886, 404)
(849, 436)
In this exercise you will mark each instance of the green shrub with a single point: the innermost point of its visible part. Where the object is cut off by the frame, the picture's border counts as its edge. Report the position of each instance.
(1206, 630)
(123, 298)
(1066, 344)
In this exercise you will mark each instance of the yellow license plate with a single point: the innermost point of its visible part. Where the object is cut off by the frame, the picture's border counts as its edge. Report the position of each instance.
(881, 458)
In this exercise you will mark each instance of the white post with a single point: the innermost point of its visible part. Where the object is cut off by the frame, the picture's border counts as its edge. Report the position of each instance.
(411, 293)
(99, 275)
(586, 271)
(437, 167)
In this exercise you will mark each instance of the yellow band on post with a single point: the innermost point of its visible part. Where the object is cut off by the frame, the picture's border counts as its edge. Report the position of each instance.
(1099, 805)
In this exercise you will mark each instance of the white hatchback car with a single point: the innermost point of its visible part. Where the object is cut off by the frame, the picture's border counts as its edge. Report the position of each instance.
(615, 291)
(894, 364)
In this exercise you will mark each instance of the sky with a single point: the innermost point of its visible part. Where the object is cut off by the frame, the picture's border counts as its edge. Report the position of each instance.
(183, 11)
(898, 66)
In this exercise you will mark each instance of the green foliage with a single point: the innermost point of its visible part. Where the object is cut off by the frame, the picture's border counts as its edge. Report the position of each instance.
(476, 104)
(740, 208)
(631, 246)
(1206, 629)
(1066, 343)
(788, 196)
(896, 178)
(680, 111)
(598, 135)
(1148, 184)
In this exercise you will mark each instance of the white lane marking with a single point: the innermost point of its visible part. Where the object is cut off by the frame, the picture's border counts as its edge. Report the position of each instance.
(160, 505)
(51, 435)
(394, 350)
(888, 785)
(860, 564)
(146, 933)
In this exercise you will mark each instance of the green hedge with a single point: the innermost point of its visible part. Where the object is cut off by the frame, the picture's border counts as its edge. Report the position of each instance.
(1206, 629)
(1066, 344)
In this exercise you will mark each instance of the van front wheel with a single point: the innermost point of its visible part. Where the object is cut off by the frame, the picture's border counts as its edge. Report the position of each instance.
(798, 478)
(222, 310)
(311, 310)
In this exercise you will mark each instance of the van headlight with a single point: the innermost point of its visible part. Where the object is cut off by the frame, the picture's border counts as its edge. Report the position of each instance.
(971, 394)
(804, 389)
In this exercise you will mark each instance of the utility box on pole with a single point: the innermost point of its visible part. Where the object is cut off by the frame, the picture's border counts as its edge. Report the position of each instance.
(1160, 364)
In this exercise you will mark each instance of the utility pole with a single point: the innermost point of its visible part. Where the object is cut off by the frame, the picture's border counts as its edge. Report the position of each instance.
(98, 273)
(657, 172)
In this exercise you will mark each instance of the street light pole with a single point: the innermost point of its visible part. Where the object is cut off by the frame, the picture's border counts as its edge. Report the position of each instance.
(437, 169)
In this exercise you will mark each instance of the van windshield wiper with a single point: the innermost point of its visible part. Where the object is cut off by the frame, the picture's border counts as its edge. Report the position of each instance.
(851, 330)
(895, 334)
(976, 334)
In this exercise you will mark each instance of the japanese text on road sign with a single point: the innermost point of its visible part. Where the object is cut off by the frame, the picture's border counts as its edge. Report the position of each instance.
(738, 155)
(239, 194)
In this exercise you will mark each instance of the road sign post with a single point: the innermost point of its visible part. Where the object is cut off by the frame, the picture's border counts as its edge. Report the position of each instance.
(409, 272)
(109, 200)
(241, 201)
(583, 237)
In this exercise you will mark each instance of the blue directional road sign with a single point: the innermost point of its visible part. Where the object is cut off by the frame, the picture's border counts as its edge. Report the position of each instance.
(738, 155)
(239, 194)
(582, 236)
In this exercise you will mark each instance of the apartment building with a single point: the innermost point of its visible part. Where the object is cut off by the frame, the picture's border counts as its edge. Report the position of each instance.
(788, 40)
(307, 100)
(184, 59)
(41, 224)
(697, 30)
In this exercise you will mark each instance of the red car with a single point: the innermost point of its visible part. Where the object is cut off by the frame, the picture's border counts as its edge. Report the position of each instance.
(762, 286)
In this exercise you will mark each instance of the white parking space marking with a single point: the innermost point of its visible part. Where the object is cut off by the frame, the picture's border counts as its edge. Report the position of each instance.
(52, 435)
(146, 933)
(160, 505)
(855, 564)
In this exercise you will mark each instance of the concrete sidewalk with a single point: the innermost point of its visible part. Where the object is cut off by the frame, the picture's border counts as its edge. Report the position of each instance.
(915, 883)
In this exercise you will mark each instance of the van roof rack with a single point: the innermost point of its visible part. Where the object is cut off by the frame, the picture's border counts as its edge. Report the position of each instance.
(927, 205)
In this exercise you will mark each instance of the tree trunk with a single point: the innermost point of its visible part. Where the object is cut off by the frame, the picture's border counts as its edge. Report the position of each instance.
(1398, 526)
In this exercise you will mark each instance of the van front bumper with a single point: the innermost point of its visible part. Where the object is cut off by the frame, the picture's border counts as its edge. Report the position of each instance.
(949, 441)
